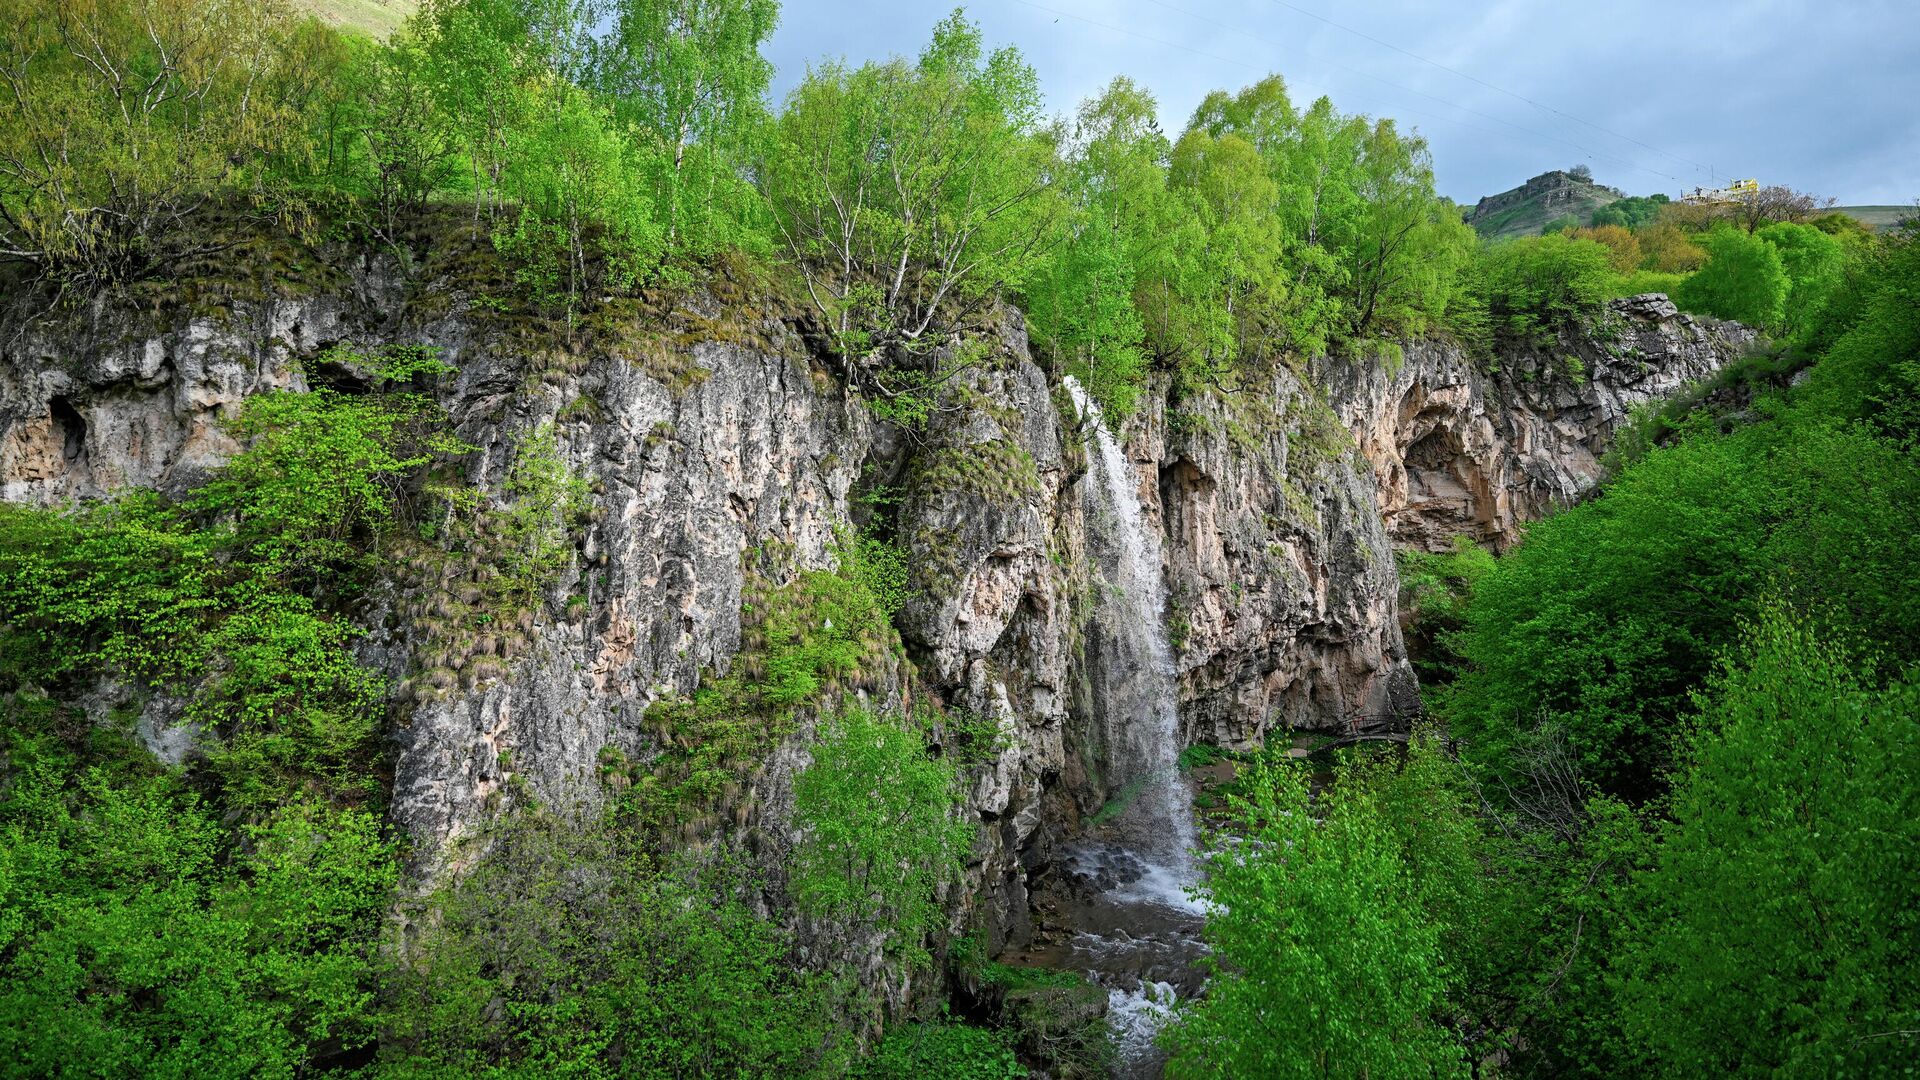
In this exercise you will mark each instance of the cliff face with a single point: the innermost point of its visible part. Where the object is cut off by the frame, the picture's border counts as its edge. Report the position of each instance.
(730, 452)
(1460, 448)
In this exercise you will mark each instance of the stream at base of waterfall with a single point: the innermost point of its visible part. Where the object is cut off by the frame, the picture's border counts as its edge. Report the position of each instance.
(1119, 902)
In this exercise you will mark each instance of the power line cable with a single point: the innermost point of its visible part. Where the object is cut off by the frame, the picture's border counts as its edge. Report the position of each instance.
(1499, 89)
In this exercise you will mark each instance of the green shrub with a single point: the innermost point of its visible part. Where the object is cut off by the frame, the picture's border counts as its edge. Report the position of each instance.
(139, 936)
(1815, 264)
(1435, 588)
(1632, 212)
(1872, 371)
(1648, 281)
(942, 1051)
(567, 949)
(1743, 280)
(1535, 287)
(1607, 617)
(237, 597)
(879, 832)
(1781, 931)
(1321, 924)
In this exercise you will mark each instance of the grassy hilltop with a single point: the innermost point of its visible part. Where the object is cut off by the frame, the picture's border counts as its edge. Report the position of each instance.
(376, 17)
(1525, 210)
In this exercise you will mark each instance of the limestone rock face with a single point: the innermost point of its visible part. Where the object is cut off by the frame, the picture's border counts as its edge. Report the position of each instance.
(1281, 581)
(1461, 448)
(105, 404)
(688, 485)
(744, 455)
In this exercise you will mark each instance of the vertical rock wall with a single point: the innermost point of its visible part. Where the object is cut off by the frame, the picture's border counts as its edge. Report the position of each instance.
(1467, 448)
(743, 454)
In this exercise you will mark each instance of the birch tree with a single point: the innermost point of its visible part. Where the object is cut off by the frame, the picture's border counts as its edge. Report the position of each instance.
(910, 196)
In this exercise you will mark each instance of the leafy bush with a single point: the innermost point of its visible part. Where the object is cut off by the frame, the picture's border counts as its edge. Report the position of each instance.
(1632, 212)
(236, 597)
(1624, 246)
(1815, 264)
(1872, 372)
(1743, 280)
(1434, 590)
(1602, 623)
(878, 831)
(1649, 281)
(1667, 249)
(1782, 915)
(1325, 961)
(323, 473)
(141, 937)
(937, 1051)
(566, 949)
(1537, 286)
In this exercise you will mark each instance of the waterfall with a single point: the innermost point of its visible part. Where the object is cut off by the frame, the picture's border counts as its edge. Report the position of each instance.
(1118, 901)
(1139, 699)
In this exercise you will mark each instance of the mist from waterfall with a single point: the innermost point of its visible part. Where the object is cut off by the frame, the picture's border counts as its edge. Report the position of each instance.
(1138, 703)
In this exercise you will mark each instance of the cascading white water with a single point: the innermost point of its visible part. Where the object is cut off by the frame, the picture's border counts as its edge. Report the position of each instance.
(1151, 921)
(1139, 706)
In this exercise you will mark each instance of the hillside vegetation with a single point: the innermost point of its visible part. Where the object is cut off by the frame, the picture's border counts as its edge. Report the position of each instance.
(1668, 828)
(1877, 217)
(379, 18)
(1528, 209)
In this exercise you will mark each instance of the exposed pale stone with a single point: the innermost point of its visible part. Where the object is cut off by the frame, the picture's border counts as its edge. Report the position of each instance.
(1278, 528)
(1461, 450)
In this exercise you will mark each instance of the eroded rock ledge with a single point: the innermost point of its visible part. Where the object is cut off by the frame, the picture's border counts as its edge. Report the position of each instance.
(1281, 507)
(1462, 448)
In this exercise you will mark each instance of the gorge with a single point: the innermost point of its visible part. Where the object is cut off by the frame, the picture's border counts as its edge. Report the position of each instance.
(1218, 570)
(562, 538)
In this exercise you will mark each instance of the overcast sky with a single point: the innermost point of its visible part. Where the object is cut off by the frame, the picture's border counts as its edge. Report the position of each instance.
(1822, 96)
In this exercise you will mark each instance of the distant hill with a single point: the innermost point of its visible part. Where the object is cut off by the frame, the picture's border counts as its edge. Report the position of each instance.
(1525, 210)
(1878, 217)
(376, 17)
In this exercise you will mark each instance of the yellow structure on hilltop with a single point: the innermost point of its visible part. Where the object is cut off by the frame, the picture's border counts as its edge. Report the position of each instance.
(1734, 192)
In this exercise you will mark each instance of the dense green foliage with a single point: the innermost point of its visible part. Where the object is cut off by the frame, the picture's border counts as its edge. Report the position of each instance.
(568, 949)
(1604, 622)
(1787, 870)
(1264, 231)
(1434, 591)
(123, 118)
(882, 833)
(1282, 1002)
(688, 76)
(141, 935)
(1538, 286)
(909, 195)
(1631, 212)
(919, 1050)
(1743, 280)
